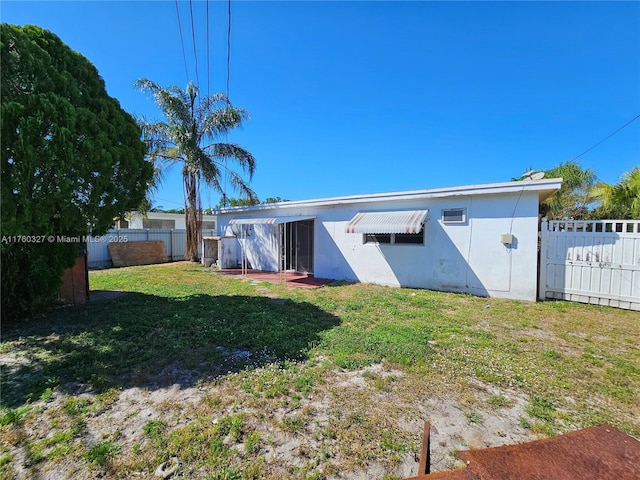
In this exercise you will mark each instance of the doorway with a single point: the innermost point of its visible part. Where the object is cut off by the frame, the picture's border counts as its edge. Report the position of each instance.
(296, 243)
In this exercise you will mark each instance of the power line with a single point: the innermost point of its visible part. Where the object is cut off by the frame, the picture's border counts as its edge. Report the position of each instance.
(193, 37)
(607, 137)
(228, 47)
(184, 56)
(170, 201)
(226, 171)
(208, 56)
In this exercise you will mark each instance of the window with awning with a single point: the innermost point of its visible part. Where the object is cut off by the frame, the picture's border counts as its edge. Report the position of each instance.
(404, 227)
(405, 221)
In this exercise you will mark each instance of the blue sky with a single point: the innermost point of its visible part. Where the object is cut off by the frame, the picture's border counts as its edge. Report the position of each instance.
(366, 97)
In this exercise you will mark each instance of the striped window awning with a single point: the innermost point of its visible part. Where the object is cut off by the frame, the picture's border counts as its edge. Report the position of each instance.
(268, 221)
(406, 221)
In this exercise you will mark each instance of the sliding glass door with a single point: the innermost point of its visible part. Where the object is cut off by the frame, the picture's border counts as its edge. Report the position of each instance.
(296, 241)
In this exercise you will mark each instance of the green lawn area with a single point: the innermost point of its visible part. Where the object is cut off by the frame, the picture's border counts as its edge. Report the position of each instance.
(210, 372)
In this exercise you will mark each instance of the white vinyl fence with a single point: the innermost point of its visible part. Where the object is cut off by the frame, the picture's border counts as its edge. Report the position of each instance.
(591, 262)
(174, 241)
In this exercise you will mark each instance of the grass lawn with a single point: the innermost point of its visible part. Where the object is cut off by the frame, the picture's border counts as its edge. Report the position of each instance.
(227, 379)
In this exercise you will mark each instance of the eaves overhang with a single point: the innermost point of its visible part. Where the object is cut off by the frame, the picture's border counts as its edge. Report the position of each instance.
(545, 188)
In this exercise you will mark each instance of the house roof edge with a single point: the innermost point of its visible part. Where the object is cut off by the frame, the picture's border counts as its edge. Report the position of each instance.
(544, 187)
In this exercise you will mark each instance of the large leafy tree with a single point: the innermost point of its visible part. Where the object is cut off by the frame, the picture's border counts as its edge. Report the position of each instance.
(72, 160)
(619, 201)
(573, 199)
(190, 136)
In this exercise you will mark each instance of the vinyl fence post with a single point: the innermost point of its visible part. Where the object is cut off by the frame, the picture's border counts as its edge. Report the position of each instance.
(542, 260)
(171, 244)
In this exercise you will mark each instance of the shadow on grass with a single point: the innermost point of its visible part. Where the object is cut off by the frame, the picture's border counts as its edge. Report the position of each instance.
(150, 341)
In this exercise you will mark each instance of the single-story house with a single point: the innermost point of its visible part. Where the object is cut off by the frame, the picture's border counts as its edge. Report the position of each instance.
(477, 239)
(162, 220)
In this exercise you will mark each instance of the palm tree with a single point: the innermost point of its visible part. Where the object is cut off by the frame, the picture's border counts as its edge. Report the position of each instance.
(622, 200)
(574, 197)
(188, 137)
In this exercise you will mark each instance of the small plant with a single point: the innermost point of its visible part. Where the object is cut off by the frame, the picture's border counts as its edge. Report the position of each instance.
(10, 415)
(551, 355)
(473, 417)
(77, 406)
(525, 422)
(227, 473)
(46, 395)
(541, 408)
(100, 453)
(59, 445)
(252, 442)
(392, 443)
(253, 470)
(232, 425)
(304, 383)
(357, 417)
(325, 453)
(5, 466)
(154, 429)
(293, 423)
(499, 401)
(544, 428)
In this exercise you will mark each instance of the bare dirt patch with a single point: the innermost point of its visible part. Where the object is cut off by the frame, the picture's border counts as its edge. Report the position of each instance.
(340, 418)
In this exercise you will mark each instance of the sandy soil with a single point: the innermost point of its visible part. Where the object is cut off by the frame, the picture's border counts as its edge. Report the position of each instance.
(451, 429)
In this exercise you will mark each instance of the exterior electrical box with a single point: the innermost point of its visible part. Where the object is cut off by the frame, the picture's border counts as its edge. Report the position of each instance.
(506, 238)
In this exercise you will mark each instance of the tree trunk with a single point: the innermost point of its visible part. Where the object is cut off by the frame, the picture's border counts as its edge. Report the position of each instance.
(193, 216)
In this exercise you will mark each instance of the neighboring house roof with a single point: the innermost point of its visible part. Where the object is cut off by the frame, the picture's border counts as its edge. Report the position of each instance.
(544, 187)
(167, 216)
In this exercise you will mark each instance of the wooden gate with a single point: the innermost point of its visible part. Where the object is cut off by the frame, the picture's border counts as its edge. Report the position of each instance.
(591, 262)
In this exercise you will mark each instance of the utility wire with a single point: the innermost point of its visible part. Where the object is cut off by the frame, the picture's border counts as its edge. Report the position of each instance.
(226, 172)
(606, 138)
(170, 201)
(208, 56)
(228, 48)
(193, 37)
(184, 56)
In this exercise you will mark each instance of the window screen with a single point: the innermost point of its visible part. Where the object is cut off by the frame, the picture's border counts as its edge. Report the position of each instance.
(454, 215)
(377, 238)
(395, 238)
(158, 223)
(410, 238)
(209, 225)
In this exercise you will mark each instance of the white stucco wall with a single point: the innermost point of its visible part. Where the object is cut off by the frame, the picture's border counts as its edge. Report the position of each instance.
(262, 247)
(467, 257)
(455, 257)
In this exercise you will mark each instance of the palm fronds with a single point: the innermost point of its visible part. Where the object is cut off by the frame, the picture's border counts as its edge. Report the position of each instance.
(621, 200)
(190, 134)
